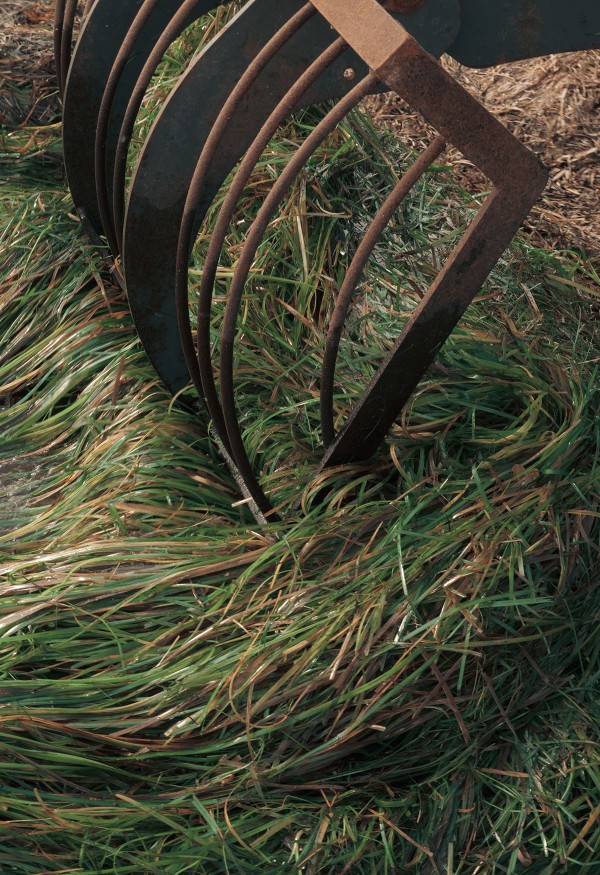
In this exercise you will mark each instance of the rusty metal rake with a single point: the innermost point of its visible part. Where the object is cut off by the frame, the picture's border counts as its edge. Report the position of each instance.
(275, 57)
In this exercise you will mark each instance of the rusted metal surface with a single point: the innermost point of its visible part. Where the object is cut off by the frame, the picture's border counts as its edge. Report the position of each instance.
(512, 30)
(357, 266)
(275, 57)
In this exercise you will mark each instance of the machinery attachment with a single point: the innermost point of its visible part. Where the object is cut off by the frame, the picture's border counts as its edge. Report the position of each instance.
(273, 58)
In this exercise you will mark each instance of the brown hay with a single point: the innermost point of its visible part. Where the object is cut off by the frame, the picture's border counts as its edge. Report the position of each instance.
(28, 91)
(553, 105)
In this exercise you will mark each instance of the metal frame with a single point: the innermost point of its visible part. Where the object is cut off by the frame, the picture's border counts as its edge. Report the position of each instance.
(275, 57)
(518, 178)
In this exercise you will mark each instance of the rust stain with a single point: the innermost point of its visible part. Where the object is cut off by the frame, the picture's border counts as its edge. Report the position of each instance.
(402, 5)
(529, 24)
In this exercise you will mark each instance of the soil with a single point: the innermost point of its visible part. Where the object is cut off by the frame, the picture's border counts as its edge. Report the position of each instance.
(552, 104)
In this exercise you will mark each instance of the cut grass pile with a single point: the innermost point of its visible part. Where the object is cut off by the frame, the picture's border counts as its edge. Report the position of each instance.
(402, 678)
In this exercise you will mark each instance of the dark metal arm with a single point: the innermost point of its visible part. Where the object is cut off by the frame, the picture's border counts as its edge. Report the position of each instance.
(496, 31)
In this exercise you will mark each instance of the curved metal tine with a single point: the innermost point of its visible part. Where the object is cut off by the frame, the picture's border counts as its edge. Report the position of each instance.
(97, 51)
(64, 21)
(354, 273)
(101, 36)
(166, 166)
(219, 232)
(117, 148)
(204, 365)
(66, 42)
(255, 235)
(59, 18)
(201, 368)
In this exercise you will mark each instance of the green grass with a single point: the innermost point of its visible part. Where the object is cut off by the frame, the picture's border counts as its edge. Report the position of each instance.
(400, 679)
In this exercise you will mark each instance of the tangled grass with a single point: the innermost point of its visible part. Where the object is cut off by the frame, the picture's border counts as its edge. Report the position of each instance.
(401, 677)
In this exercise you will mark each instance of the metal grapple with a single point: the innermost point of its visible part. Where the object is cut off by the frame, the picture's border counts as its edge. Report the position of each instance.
(272, 59)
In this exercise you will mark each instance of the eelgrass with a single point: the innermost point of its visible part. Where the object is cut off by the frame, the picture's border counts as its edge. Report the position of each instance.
(399, 678)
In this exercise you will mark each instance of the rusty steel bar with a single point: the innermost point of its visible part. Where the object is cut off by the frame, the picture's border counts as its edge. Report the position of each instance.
(102, 122)
(59, 18)
(65, 12)
(67, 40)
(200, 367)
(203, 365)
(355, 270)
